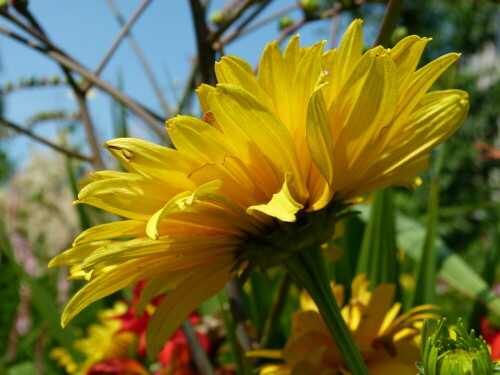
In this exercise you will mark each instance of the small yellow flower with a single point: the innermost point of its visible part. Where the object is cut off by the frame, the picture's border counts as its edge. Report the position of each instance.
(262, 175)
(388, 343)
(103, 341)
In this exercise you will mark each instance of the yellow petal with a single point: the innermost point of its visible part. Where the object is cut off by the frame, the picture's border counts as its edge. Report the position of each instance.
(119, 229)
(306, 78)
(349, 51)
(152, 160)
(246, 121)
(274, 79)
(121, 196)
(292, 55)
(319, 135)
(177, 305)
(282, 206)
(406, 55)
(178, 204)
(265, 353)
(77, 254)
(421, 81)
(236, 71)
(374, 314)
(275, 370)
(170, 246)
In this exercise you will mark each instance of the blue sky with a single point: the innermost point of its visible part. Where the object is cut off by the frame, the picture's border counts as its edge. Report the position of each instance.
(86, 29)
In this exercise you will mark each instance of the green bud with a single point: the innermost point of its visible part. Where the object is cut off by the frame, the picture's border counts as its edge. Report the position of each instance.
(285, 22)
(217, 17)
(465, 355)
(398, 34)
(309, 6)
(54, 79)
(8, 86)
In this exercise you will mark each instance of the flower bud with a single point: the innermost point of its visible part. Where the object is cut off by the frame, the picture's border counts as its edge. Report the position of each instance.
(285, 22)
(217, 17)
(465, 355)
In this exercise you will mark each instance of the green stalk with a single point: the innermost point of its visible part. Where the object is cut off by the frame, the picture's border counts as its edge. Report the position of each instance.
(307, 268)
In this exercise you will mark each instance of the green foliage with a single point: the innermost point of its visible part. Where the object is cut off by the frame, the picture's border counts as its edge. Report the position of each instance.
(377, 258)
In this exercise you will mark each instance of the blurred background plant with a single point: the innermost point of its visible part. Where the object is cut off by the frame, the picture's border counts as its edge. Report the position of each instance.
(75, 75)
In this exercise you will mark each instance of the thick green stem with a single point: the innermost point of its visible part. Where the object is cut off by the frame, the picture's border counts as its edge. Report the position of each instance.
(308, 269)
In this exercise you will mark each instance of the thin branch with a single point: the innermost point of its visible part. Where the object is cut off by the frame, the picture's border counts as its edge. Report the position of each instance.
(206, 53)
(241, 30)
(276, 310)
(214, 37)
(238, 312)
(199, 356)
(123, 32)
(389, 22)
(188, 89)
(80, 98)
(291, 29)
(331, 12)
(335, 30)
(142, 59)
(153, 120)
(34, 32)
(46, 142)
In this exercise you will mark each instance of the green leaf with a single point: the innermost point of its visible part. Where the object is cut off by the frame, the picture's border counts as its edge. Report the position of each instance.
(425, 274)
(43, 301)
(377, 258)
(23, 368)
(343, 270)
(490, 265)
(410, 236)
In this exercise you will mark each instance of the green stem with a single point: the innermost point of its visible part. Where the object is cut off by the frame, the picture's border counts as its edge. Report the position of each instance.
(389, 23)
(308, 269)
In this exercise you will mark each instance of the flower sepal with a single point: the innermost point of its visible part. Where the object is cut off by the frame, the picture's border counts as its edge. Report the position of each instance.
(311, 229)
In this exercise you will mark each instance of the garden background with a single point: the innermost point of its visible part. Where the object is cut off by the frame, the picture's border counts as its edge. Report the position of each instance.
(61, 99)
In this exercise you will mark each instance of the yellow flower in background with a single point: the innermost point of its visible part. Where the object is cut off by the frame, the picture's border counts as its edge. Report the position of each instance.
(263, 174)
(388, 342)
(103, 342)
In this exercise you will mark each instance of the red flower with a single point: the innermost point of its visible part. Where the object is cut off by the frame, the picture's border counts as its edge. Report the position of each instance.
(175, 357)
(492, 336)
(490, 152)
(118, 366)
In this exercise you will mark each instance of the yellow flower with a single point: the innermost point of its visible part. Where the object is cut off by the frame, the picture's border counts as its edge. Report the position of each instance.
(262, 175)
(103, 342)
(388, 343)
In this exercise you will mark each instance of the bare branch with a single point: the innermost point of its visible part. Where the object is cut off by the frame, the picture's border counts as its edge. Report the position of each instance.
(80, 98)
(46, 142)
(214, 37)
(123, 32)
(141, 57)
(241, 30)
(206, 53)
(153, 120)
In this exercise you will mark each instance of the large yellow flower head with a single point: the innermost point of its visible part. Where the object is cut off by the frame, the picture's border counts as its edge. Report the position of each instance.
(387, 341)
(263, 173)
